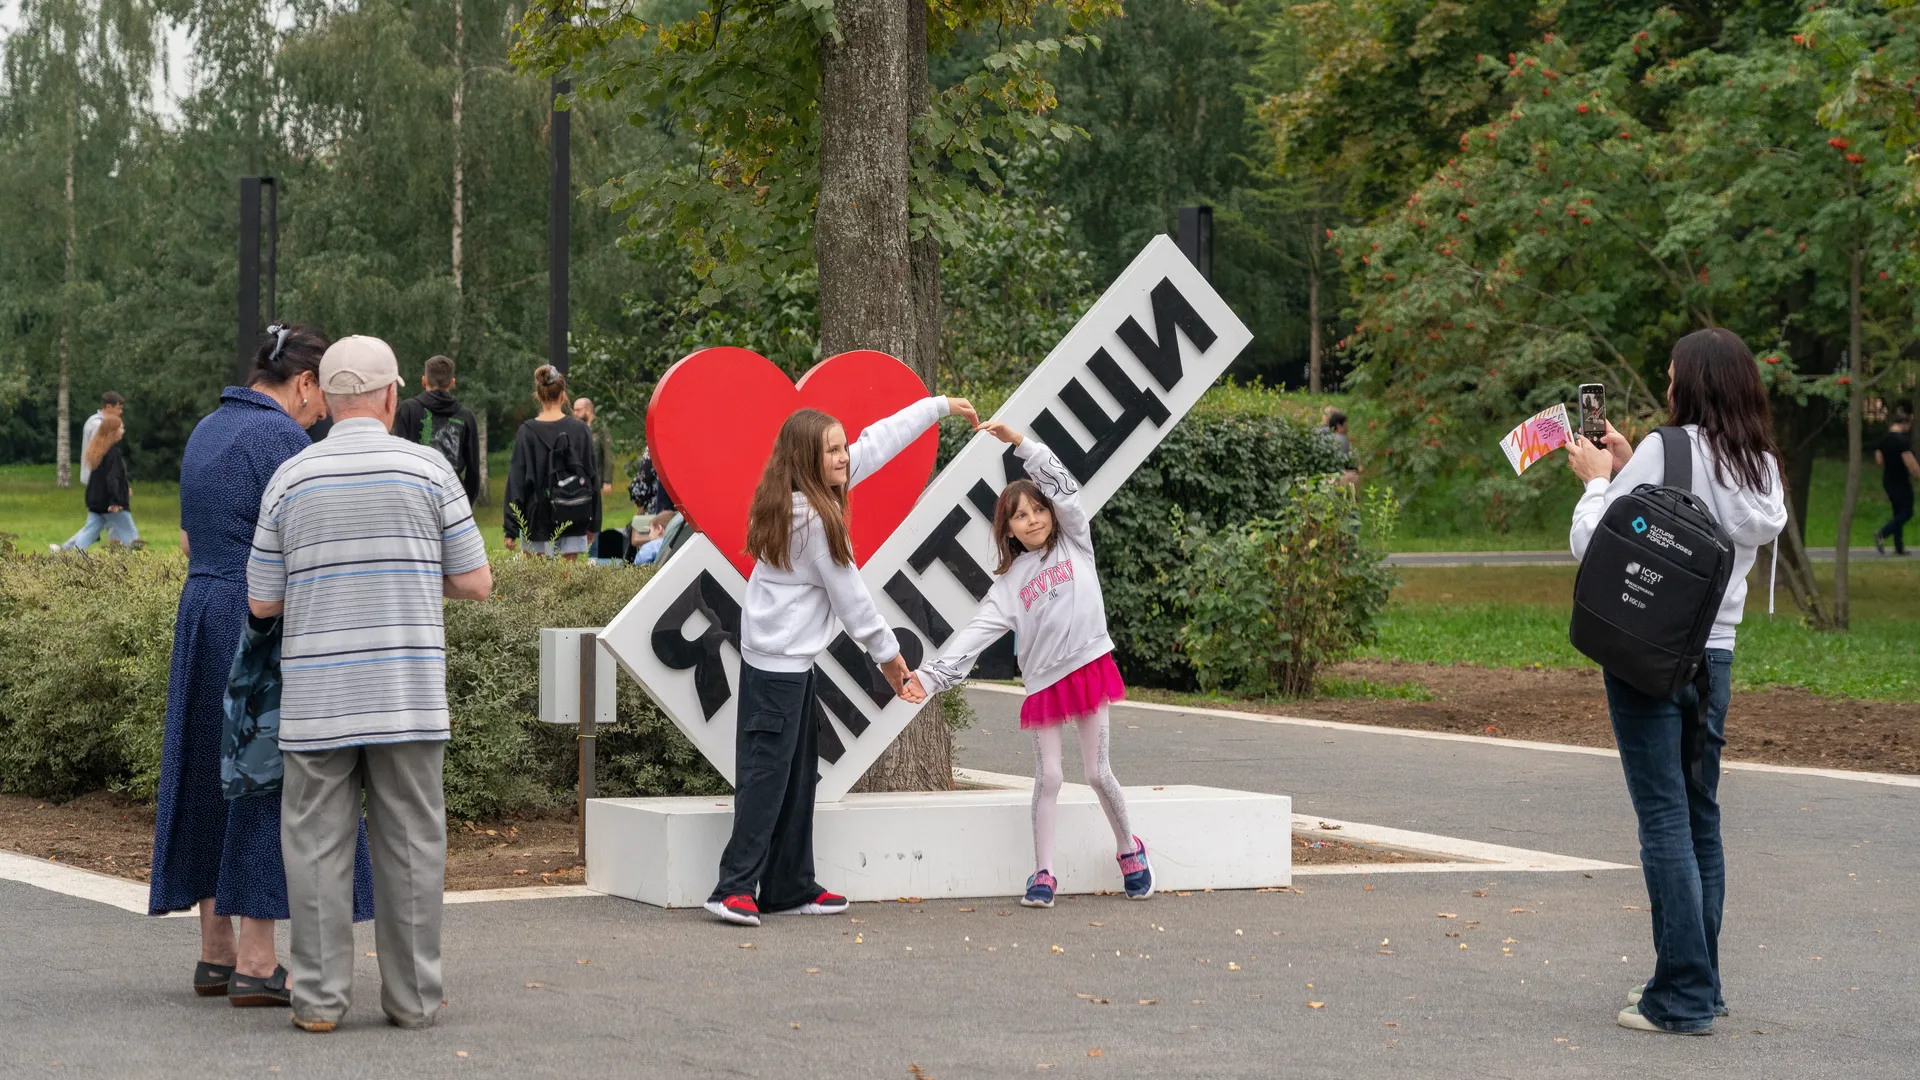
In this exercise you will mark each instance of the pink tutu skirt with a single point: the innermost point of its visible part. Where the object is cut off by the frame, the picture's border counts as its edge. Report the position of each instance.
(1082, 693)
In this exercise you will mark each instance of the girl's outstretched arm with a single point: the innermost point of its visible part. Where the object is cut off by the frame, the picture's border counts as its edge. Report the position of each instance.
(883, 439)
(964, 649)
(1050, 476)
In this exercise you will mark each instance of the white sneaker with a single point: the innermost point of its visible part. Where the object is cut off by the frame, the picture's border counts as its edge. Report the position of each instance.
(1630, 1018)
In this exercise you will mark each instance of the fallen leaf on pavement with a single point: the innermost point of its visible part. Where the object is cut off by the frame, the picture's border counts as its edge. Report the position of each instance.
(535, 986)
(1392, 1023)
(1329, 828)
(968, 910)
(813, 971)
(746, 944)
(459, 1053)
(583, 961)
(1096, 924)
(1316, 1004)
(1149, 1001)
(1096, 1052)
(1445, 915)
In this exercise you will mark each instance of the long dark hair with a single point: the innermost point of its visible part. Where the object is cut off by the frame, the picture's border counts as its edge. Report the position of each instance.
(1004, 542)
(287, 350)
(1717, 386)
(796, 465)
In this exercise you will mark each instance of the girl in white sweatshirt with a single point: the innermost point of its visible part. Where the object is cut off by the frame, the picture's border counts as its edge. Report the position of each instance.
(804, 587)
(1048, 595)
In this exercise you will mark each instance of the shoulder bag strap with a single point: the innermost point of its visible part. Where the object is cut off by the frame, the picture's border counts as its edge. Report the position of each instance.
(1678, 449)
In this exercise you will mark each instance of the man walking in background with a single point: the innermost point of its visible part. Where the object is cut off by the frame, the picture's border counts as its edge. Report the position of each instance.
(602, 457)
(437, 419)
(111, 404)
(359, 538)
(1894, 455)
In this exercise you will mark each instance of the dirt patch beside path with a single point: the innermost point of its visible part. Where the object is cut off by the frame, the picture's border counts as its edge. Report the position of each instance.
(1777, 726)
(114, 835)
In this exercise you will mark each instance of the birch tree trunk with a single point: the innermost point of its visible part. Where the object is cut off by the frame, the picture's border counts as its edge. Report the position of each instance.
(1313, 308)
(459, 174)
(879, 289)
(63, 438)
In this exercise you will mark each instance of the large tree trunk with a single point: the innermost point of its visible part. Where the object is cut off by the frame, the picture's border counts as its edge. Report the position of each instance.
(480, 421)
(459, 174)
(879, 289)
(62, 436)
(1856, 399)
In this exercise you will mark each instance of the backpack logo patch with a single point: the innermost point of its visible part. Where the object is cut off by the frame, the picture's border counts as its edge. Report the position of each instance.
(1639, 524)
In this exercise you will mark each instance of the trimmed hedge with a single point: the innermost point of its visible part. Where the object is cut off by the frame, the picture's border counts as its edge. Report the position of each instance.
(1230, 460)
(89, 642)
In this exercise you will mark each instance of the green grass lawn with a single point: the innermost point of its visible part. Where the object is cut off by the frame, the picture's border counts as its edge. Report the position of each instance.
(1823, 516)
(1517, 616)
(39, 513)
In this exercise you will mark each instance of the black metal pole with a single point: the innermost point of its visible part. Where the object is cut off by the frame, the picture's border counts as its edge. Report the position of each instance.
(559, 204)
(249, 331)
(272, 297)
(1196, 238)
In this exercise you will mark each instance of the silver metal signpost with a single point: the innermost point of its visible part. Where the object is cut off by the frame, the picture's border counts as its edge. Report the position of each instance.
(589, 653)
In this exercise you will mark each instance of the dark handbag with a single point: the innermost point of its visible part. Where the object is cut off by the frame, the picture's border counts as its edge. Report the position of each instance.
(250, 733)
(1652, 581)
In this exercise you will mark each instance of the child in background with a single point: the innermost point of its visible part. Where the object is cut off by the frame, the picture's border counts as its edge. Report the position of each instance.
(649, 550)
(1048, 595)
(804, 587)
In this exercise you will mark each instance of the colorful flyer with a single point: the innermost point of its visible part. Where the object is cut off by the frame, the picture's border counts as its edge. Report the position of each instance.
(1536, 437)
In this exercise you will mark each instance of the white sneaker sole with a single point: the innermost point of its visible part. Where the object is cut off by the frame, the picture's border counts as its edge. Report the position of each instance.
(734, 917)
(1024, 902)
(1631, 1019)
(813, 909)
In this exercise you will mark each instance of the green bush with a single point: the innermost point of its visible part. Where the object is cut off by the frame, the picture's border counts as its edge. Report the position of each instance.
(83, 684)
(1274, 599)
(83, 676)
(1230, 460)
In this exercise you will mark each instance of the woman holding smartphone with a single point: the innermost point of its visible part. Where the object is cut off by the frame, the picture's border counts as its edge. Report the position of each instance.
(1714, 392)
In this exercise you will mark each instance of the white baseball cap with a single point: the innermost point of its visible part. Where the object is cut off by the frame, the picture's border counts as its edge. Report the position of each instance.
(358, 365)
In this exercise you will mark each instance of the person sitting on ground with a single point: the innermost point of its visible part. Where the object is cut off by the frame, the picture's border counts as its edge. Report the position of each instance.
(437, 419)
(109, 495)
(553, 487)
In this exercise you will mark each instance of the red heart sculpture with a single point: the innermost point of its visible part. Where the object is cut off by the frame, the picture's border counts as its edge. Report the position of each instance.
(713, 418)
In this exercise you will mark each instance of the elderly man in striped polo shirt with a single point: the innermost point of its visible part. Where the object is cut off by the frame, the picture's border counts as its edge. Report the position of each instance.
(359, 538)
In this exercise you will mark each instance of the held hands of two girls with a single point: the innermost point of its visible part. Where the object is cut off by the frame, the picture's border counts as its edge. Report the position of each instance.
(903, 680)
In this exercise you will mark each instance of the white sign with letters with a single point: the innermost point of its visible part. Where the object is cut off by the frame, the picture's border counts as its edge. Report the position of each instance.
(1102, 400)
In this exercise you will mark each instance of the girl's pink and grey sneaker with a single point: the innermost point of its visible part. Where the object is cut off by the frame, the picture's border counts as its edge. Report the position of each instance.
(1137, 871)
(1040, 890)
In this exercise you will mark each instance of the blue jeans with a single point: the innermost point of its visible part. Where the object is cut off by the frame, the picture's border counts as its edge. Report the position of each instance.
(1670, 751)
(118, 525)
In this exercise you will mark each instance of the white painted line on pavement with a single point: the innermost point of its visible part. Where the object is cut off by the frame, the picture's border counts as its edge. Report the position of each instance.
(1890, 779)
(132, 895)
(1472, 854)
(73, 881)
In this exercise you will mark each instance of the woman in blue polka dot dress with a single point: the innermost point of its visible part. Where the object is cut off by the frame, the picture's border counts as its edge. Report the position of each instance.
(219, 855)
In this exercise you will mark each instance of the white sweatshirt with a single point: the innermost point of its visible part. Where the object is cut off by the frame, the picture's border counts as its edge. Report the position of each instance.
(1049, 599)
(793, 615)
(1751, 518)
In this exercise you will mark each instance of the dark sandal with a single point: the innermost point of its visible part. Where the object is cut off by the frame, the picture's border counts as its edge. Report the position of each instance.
(210, 980)
(251, 991)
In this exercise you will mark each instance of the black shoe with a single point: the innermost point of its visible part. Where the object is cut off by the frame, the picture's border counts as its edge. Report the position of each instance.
(211, 980)
(251, 991)
(1879, 543)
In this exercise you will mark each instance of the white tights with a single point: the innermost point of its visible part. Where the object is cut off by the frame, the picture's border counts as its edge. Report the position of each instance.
(1047, 778)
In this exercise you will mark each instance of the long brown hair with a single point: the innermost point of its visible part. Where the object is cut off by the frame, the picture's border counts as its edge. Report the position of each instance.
(108, 433)
(795, 465)
(1717, 386)
(1004, 541)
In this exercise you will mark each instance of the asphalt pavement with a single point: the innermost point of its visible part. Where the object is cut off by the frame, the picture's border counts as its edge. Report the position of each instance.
(1351, 976)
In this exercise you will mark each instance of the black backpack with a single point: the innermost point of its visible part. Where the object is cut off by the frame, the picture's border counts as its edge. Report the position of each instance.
(645, 483)
(448, 437)
(1652, 580)
(569, 491)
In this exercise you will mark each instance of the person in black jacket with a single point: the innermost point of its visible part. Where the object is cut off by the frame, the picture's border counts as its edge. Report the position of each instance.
(109, 495)
(553, 485)
(437, 419)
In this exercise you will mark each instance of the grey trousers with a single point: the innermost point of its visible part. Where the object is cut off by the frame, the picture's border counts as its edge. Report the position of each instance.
(407, 836)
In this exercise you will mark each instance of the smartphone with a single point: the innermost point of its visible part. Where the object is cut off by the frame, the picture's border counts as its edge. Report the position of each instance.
(1593, 411)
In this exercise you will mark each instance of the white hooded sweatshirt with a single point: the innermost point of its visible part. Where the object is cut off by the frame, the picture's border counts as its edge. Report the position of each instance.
(792, 615)
(1049, 598)
(1751, 518)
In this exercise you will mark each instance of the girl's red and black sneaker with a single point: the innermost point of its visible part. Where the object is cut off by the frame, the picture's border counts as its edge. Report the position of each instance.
(825, 904)
(739, 908)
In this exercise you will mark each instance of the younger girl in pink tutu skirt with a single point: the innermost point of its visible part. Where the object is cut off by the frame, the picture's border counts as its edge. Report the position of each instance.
(1048, 594)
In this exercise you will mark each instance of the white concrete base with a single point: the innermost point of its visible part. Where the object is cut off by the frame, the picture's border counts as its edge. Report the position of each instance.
(951, 843)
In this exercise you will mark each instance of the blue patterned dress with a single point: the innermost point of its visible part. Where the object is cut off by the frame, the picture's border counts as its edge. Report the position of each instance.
(203, 844)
